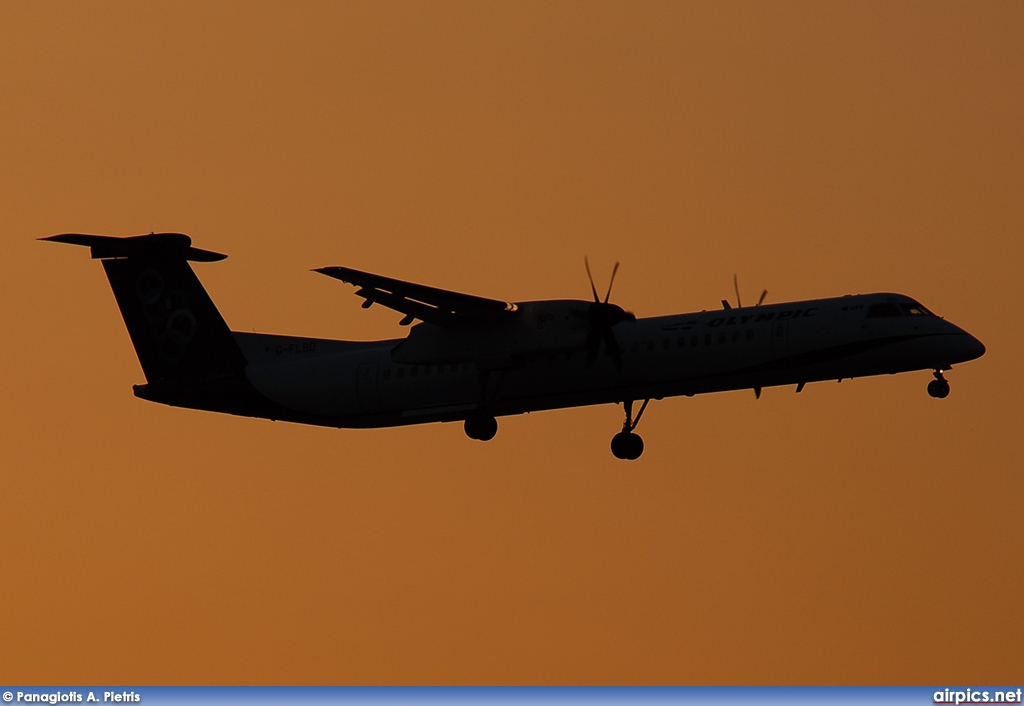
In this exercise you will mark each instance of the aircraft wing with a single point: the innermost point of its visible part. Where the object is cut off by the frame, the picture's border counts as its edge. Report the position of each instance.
(436, 306)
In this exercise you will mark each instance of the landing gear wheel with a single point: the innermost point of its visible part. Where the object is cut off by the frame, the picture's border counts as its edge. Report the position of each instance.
(482, 427)
(939, 387)
(627, 446)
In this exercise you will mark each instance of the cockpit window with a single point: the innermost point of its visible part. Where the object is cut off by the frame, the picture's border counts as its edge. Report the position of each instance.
(915, 309)
(888, 309)
(878, 311)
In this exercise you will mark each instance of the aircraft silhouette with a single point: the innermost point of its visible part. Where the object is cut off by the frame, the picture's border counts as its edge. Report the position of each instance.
(473, 359)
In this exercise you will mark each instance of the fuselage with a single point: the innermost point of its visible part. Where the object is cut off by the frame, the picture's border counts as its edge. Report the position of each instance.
(473, 358)
(359, 384)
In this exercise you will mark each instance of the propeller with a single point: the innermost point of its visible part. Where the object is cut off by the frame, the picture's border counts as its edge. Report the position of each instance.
(736, 287)
(602, 316)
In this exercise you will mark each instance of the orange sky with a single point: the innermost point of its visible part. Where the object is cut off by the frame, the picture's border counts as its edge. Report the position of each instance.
(856, 533)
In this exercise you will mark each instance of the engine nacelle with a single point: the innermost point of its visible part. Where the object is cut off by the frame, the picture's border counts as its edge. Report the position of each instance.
(536, 328)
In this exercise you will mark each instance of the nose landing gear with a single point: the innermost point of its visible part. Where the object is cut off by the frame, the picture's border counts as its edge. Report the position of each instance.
(939, 387)
(627, 445)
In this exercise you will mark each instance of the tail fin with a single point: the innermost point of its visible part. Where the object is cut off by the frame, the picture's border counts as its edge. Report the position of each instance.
(175, 327)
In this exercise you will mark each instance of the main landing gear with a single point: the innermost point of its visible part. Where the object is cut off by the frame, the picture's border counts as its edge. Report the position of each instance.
(481, 426)
(939, 387)
(627, 445)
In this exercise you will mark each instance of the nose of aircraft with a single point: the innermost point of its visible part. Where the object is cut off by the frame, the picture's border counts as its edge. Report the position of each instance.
(966, 347)
(974, 347)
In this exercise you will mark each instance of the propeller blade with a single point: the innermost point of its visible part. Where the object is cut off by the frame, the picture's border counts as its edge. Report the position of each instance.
(611, 282)
(602, 316)
(736, 286)
(593, 289)
(763, 295)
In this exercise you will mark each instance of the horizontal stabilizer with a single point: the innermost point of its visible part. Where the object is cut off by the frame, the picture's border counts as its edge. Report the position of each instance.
(105, 247)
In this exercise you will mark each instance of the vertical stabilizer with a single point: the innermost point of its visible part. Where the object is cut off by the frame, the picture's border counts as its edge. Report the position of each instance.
(175, 327)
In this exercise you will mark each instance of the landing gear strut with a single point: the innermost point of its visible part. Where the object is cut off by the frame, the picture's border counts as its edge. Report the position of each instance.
(481, 426)
(627, 445)
(939, 387)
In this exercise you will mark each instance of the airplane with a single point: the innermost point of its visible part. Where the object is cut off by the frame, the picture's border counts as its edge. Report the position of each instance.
(473, 359)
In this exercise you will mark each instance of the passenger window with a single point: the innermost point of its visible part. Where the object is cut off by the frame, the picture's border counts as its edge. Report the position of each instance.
(665, 344)
(681, 342)
(636, 346)
(735, 336)
(721, 336)
(650, 345)
(401, 373)
(707, 339)
(694, 341)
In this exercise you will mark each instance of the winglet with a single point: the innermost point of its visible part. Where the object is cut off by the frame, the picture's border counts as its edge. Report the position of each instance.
(105, 247)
